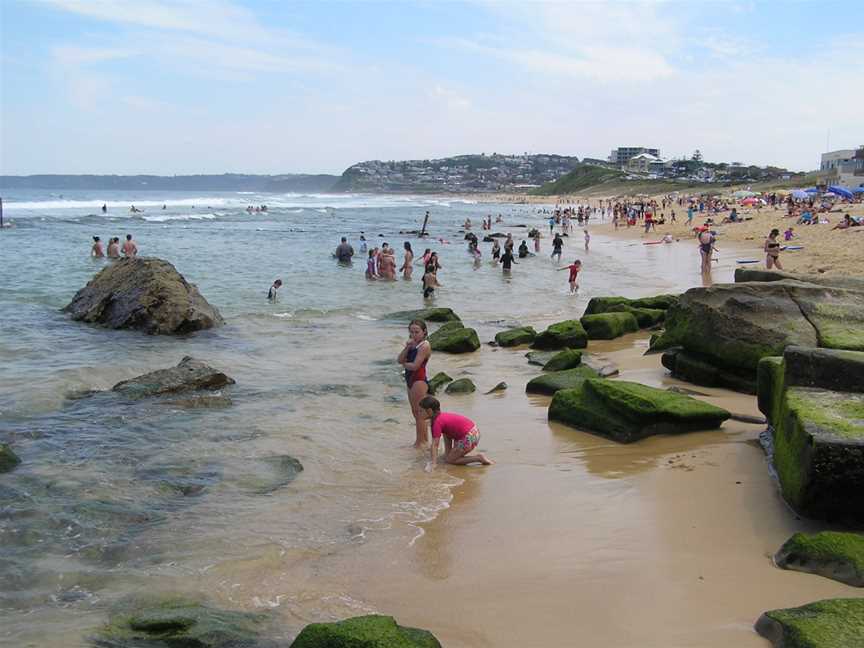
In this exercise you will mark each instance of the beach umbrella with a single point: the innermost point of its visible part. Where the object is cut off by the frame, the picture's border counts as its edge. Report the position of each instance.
(812, 190)
(843, 192)
(744, 193)
(800, 194)
(749, 201)
(858, 190)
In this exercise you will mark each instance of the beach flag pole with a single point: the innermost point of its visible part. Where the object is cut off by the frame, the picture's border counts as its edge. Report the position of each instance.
(425, 221)
(1, 213)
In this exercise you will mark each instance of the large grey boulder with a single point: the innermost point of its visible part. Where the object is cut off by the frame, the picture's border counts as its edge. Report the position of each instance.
(189, 375)
(146, 294)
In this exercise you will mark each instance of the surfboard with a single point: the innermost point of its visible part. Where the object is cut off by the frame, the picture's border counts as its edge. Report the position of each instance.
(748, 261)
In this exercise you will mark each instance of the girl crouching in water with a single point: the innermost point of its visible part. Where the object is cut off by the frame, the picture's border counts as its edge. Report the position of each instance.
(413, 358)
(460, 434)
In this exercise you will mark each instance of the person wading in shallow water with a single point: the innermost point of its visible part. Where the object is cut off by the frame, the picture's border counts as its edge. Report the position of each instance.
(460, 434)
(413, 359)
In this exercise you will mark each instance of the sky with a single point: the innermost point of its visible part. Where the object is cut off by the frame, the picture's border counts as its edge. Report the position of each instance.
(221, 86)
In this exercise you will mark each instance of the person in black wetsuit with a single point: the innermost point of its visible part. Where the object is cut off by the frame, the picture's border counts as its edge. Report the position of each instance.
(557, 244)
(507, 260)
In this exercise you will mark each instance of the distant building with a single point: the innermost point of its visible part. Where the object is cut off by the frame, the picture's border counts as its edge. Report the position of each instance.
(843, 160)
(645, 163)
(845, 167)
(622, 155)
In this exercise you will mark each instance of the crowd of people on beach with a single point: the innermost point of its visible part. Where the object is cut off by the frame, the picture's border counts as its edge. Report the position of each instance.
(114, 249)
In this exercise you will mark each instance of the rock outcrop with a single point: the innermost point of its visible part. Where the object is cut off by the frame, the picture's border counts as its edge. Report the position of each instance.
(461, 386)
(189, 375)
(568, 334)
(177, 621)
(609, 325)
(426, 314)
(515, 336)
(832, 623)
(145, 294)
(696, 369)
(818, 430)
(563, 360)
(606, 304)
(454, 338)
(371, 631)
(832, 554)
(8, 459)
(554, 381)
(733, 326)
(627, 411)
(437, 381)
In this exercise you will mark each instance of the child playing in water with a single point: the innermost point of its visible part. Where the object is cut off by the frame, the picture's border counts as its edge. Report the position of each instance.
(430, 281)
(273, 293)
(460, 434)
(574, 269)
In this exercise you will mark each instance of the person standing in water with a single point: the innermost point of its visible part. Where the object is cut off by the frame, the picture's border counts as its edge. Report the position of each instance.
(114, 248)
(772, 251)
(507, 260)
(96, 250)
(413, 359)
(706, 249)
(557, 244)
(407, 267)
(460, 433)
(273, 293)
(372, 264)
(587, 238)
(574, 269)
(105, 208)
(129, 247)
(344, 251)
(496, 250)
(430, 282)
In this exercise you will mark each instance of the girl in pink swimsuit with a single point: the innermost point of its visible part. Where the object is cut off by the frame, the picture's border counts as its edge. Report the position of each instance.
(413, 358)
(460, 434)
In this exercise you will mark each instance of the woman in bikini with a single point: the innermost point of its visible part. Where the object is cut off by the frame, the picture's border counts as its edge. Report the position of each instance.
(413, 358)
(407, 268)
(772, 250)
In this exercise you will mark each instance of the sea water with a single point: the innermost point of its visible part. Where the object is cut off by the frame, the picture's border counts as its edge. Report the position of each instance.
(114, 497)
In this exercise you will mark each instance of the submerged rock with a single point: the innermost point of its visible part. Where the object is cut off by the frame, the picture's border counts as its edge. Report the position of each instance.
(832, 554)
(426, 314)
(177, 622)
(568, 334)
(454, 340)
(566, 359)
(200, 402)
(371, 631)
(8, 459)
(501, 386)
(145, 294)
(554, 381)
(627, 411)
(516, 336)
(818, 433)
(832, 623)
(437, 381)
(461, 386)
(264, 475)
(608, 326)
(190, 374)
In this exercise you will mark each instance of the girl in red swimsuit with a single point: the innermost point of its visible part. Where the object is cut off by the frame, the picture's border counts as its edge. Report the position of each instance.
(413, 358)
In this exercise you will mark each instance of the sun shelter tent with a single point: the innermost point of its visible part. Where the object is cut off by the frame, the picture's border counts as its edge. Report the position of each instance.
(843, 192)
(858, 190)
(745, 193)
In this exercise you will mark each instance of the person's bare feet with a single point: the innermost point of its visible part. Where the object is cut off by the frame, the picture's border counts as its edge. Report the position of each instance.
(486, 461)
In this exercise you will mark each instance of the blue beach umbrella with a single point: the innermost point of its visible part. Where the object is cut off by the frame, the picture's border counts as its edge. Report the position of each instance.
(843, 192)
(812, 190)
(858, 190)
(800, 194)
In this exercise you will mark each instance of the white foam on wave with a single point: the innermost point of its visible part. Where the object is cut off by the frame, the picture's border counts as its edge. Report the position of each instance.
(180, 217)
(115, 204)
(283, 315)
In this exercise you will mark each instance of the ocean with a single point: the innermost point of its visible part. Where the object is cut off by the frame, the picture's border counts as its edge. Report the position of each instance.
(114, 497)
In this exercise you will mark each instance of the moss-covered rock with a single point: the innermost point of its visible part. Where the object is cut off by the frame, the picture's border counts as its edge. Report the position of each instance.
(832, 623)
(645, 317)
(769, 386)
(454, 340)
(461, 386)
(554, 381)
(177, 622)
(568, 334)
(833, 554)
(540, 358)
(8, 459)
(563, 360)
(661, 302)
(500, 387)
(372, 631)
(697, 369)
(606, 304)
(826, 368)
(627, 411)
(426, 314)
(819, 452)
(608, 326)
(516, 336)
(438, 380)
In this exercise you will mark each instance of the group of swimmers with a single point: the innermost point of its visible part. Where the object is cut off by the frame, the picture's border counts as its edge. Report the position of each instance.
(129, 249)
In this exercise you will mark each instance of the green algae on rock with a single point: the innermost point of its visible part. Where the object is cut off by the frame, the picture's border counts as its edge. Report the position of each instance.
(370, 631)
(644, 316)
(832, 554)
(608, 326)
(461, 386)
(627, 411)
(8, 459)
(831, 623)
(568, 334)
(454, 340)
(563, 360)
(437, 381)
(425, 314)
(540, 358)
(554, 381)
(607, 304)
(515, 336)
(696, 369)
(177, 622)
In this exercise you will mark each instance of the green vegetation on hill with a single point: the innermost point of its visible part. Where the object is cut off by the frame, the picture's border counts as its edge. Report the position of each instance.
(582, 177)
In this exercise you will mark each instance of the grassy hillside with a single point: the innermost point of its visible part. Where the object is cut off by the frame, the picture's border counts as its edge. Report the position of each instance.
(582, 177)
